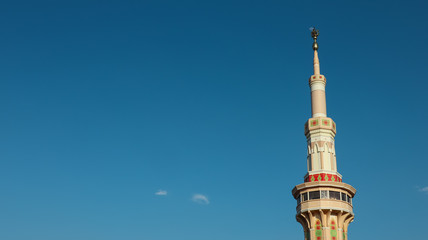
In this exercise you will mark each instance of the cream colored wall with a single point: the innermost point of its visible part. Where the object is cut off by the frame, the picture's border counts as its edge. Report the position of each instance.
(326, 158)
(322, 157)
(319, 108)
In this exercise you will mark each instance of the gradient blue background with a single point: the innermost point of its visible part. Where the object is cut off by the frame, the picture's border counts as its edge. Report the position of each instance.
(104, 103)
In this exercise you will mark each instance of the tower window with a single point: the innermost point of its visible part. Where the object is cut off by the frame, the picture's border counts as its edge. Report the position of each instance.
(314, 195)
(349, 199)
(298, 199)
(305, 196)
(324, 194)
(334, 195)
(344, 197)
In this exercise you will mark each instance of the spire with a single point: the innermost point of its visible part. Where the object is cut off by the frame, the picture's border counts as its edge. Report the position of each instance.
(316, 63)
(317, 82)
(315, 33)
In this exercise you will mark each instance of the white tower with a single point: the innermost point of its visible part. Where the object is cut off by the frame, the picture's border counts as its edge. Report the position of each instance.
(324, 202)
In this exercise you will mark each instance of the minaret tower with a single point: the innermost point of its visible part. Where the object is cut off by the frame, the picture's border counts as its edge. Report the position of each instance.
(324, 202)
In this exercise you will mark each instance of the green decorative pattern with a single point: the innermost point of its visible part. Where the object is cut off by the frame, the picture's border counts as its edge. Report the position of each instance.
(333, 230)
(314, 122)
(318, 231)
(326, 122)
(323, 177)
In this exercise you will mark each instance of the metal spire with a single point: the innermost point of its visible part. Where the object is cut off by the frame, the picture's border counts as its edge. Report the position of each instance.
(314, 33)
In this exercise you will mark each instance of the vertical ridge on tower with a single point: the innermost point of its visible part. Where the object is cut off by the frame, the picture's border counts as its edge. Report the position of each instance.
(324, 202)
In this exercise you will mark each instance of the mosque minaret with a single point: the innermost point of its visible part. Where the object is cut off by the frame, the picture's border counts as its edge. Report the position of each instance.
(324, 202)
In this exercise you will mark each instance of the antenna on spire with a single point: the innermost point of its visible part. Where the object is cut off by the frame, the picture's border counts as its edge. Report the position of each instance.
(314, 33)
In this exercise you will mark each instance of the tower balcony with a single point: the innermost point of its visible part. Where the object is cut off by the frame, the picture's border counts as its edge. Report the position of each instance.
(333, 196)
(324, 204)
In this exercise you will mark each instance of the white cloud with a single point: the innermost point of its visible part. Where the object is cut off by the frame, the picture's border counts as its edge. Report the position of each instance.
(161, 193)
(424, 189)
(201, 199)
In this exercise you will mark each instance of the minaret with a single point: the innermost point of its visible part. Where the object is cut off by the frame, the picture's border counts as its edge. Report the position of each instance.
(324, 202)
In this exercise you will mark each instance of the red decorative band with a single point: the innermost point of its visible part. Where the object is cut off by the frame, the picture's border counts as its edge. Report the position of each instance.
(323, 177)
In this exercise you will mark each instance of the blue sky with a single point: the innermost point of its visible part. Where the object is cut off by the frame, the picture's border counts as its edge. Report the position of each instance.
(103, 104)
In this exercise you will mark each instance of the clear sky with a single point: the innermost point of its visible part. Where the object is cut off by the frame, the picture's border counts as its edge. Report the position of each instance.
(183, 120)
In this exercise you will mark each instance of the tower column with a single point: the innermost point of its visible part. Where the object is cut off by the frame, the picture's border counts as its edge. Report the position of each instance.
(318, 100)
(317, 83)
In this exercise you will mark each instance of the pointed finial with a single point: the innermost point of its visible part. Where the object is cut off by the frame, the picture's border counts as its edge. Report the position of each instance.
(314, 33)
